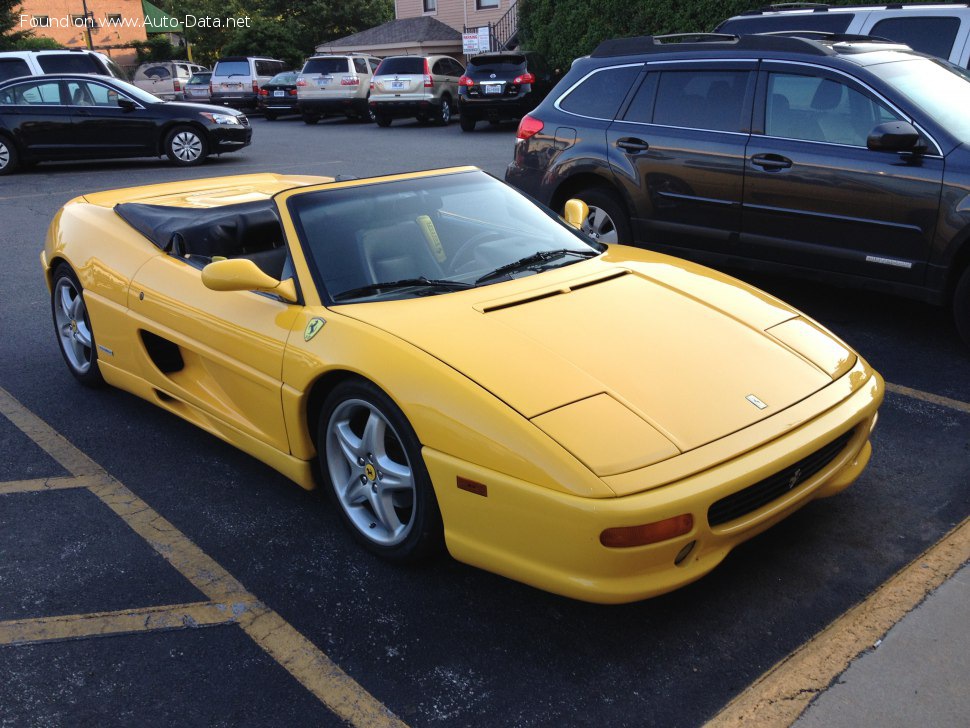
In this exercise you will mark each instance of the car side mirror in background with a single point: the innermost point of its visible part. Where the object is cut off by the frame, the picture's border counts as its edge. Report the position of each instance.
(126, 104)
(576, 212)
(241, 274)
(894, 136)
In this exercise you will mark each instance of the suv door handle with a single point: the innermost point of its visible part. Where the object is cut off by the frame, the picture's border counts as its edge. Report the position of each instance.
(771, 162)
(632, 144)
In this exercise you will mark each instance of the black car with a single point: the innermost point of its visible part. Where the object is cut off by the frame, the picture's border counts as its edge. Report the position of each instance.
(82, 116)
(841, 158)
(278, 97)
(502, 86)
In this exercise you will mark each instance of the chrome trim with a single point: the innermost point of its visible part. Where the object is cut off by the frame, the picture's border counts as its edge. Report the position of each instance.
(845, 218)
(695, 198)
(889, 261)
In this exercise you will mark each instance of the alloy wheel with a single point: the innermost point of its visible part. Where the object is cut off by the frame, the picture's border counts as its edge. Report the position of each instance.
(73, 325)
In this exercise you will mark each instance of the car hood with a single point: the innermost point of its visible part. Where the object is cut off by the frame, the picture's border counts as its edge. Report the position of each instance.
(685, 350)
(190, 108)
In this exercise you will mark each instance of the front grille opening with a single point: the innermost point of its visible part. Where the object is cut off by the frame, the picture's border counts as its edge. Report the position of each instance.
(774, 486)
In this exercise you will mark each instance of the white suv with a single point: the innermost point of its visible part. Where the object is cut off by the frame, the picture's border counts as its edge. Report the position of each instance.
(37, 63)
(336, 84)
(166, 79)
(425, 87)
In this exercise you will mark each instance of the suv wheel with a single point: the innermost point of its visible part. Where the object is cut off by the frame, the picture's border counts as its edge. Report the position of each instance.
(961, 306)
(444, 113)
(8, 156)
(467, 122)
(382, 119)
(607, 222)
(310, 119)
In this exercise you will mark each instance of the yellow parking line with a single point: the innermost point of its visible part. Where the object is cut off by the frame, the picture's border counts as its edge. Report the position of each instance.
(128, 621)
(41, 484)
(779, 696)
(300, 657)
(927, 397)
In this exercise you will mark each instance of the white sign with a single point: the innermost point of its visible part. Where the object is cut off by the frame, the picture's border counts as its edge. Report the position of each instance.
(484, 39)
(469, 43)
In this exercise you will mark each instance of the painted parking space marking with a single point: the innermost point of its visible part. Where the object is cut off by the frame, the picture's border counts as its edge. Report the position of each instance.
(783, 693)
(927, 397)
(41, 484)
(294, 652)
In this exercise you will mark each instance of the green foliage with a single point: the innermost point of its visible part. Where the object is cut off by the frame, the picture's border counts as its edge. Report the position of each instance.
(10, 31)
(157, 48)
(32, 43)
(566, 29)
(266, 38)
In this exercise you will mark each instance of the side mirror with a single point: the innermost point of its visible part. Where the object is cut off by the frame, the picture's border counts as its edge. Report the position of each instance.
(576, 212)
(893, 136)
(126, 104)
(241, 274)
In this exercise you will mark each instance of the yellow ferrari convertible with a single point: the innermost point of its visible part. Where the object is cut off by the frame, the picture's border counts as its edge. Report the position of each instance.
(469, 370)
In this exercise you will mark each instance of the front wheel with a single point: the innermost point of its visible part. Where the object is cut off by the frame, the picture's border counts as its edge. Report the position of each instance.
(961, 306)
(9, 159)
(186, 146)
(73, 326)
(444, 113)
(607, 221)
(371, 459)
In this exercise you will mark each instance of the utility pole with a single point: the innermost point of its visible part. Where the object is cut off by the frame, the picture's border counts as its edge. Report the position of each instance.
(87, 24)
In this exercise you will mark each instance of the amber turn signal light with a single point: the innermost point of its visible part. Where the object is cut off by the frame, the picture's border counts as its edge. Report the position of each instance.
(627, 536)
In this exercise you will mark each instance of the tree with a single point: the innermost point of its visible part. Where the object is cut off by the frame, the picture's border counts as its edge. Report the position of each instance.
(11, 32)
(320, 20)
(266, 38)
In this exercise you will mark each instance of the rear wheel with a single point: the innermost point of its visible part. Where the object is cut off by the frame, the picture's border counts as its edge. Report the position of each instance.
(607, 221)
(73, 326)
(444, 112)
(186, 146)
(310, 119)
(467, 123)
(270, 117)
(9, 159)
(382, 119)
(961, 306)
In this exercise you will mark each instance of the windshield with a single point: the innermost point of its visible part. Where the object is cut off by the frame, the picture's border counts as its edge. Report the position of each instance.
(441, 233)
(231, 68)
(326, 65)
(200, 78)
(939, 88)
(136, 93)
(287, 78)
(401, 65)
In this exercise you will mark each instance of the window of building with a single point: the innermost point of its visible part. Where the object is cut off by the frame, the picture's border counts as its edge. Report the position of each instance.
(43, 21)
(430, 6)
(486, 4)
(113, 20)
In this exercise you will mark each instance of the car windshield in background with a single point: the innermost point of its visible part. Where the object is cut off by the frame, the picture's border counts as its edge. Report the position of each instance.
(937, 87)
(136, 93)
(326, 65)
(232, 68)
(433, 235)
(413, 64)
(508, 64)
(200, 78)
(69, 63)
(287, 78)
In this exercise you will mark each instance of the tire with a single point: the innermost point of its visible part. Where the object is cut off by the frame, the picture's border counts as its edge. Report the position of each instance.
(961, 306)
(607, 221)
(186, 146)
(369, 114)
(371, 463)
(75, 336)
(382, 119)
(310, 119)
(467, 123)
(444, 112)
(9, 156)
(270, 117)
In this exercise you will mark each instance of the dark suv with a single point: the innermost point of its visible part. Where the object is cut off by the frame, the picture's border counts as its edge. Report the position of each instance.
(502, 86)
(841, 158)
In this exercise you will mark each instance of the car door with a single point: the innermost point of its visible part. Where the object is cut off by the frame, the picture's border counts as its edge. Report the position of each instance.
(102, 128)
(37, 114)
(816, 197)
(678, 147)
(218, 354)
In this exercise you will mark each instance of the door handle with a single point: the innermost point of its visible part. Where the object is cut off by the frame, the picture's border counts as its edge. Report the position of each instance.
(632, 144)
(771, 162)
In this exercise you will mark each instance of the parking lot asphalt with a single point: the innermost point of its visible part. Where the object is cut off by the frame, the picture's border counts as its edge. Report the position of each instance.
(152, 574)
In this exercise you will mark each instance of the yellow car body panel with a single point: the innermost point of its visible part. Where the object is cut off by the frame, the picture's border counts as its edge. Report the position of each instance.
(523, 387)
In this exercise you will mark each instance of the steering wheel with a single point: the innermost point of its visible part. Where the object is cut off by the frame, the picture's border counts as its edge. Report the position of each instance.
(468, 247)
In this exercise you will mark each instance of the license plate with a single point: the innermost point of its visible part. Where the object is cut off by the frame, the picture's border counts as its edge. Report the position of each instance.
(232, 85)
(398, 85)
(279, 93)
(492, 88)
(324, 80)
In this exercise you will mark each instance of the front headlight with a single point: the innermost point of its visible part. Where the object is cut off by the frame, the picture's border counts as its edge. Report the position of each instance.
(222, 119)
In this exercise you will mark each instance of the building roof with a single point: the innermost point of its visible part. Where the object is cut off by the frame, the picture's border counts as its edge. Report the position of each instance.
(403, 31)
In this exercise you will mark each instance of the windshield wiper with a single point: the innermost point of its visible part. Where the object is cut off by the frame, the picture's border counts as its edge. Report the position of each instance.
(421, 282)
(534, 262)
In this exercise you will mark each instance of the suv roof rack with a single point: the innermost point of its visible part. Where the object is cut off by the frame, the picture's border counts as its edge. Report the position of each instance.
(824, 8)
(655, 44)
(781, 7)
(833, 37)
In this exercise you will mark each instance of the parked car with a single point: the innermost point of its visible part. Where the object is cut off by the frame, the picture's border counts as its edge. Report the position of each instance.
(502, 86)
(197, 89)
(336, 84)
(424, 87)
(165, 79)
(443, 354)
(82, 116)
(843, 160)
(278, 97)
(939, 30)
(236, 81)
(36, 63)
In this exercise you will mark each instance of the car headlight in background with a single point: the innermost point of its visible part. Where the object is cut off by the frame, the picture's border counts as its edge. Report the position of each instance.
(222, 119)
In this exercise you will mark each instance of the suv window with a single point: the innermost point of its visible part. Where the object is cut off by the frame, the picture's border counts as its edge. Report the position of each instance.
(268, 68)
(326, 65)
(699, 99)
(818, 109)
(600, 94)
(934, 36)
(158, 72)
(411, 64)
(509, 62)
(360, 65)
(69, 63)
(826, 22)
(232, 68)
(374, 63)
(13, 67)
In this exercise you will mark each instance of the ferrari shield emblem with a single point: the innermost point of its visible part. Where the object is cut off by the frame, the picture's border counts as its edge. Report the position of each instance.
(313, 328)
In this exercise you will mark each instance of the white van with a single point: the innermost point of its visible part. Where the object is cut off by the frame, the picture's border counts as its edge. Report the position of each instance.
(166, 79)
(37, 63)
(236, 80)
(937, 30)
